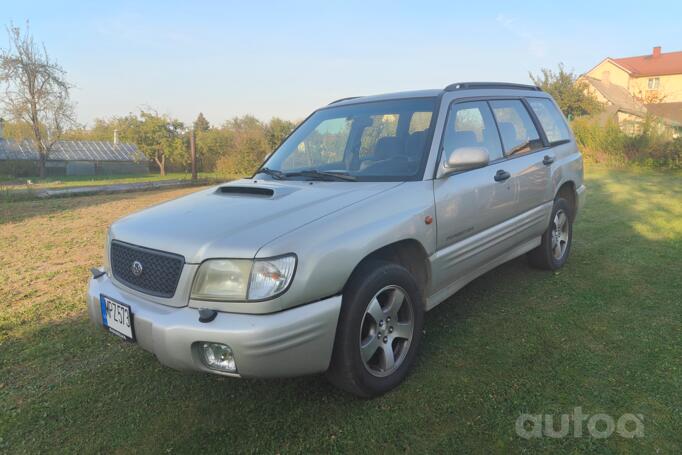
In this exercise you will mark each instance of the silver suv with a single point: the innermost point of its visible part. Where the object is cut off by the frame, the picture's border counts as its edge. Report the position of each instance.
(372, 212)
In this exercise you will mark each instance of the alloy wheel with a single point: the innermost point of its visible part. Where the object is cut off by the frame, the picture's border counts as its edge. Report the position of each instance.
(387, 330)
(560, 233)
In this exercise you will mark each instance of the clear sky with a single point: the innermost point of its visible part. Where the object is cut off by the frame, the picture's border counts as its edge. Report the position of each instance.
(287, 58)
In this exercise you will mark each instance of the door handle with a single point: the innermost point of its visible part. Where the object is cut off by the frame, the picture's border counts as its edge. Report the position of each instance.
(501, 176)
(547, 160)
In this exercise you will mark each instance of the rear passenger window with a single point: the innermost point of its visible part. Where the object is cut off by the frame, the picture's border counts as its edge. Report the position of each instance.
(550, 118)
(471, 124)
(518, 132)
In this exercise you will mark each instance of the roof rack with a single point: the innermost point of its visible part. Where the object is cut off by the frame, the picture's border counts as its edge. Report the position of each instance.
(344, 99)
(489, 85)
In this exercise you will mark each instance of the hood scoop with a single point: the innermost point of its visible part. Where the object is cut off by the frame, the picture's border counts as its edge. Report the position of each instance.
(246, 191)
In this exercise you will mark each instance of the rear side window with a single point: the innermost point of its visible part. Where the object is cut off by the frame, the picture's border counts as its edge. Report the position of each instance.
(471, 124)
(550, 118)
(518, 131)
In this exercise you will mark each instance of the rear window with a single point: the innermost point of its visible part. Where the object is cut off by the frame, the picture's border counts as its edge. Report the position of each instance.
(551, 119)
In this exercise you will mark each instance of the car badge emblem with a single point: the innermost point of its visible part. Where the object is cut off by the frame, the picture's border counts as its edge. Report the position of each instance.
(136, 268)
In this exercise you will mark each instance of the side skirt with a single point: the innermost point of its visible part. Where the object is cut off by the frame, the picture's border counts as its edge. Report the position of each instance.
(438, 297)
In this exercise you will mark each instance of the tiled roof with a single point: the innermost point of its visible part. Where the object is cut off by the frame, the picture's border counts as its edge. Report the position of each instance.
(668, 111)
(71, 151)
(652, 65)
(618, 96)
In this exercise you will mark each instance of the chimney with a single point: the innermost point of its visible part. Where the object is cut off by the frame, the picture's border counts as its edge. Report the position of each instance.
(115, 137)
(657, 51)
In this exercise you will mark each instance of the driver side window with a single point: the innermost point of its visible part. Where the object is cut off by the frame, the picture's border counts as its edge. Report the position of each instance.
(471, 124)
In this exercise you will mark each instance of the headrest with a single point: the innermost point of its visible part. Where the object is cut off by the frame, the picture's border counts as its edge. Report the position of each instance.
(415, 145)
(465, 139)
(386, 147)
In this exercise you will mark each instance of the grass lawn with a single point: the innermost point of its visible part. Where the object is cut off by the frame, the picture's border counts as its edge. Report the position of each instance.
(603, 334)
(94, 180)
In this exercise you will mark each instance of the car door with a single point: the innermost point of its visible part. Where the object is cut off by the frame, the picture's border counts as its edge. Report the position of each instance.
(528, 160)
(471, 205)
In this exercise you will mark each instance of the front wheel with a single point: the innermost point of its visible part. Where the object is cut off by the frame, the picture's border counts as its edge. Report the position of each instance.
(379, 329)
(556, 240)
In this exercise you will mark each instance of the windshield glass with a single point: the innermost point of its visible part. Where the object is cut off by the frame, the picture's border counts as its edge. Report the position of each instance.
(374, 141)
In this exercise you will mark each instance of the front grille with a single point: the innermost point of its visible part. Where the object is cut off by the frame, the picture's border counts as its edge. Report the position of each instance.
(150, 271)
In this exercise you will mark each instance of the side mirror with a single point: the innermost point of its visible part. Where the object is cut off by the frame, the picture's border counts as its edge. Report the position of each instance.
(465, 158)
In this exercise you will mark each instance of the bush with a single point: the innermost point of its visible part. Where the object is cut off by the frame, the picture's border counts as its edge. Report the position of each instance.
(605, 142)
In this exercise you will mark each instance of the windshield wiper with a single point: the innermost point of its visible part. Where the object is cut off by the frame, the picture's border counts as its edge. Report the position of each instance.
(278, 175)
(322, 175)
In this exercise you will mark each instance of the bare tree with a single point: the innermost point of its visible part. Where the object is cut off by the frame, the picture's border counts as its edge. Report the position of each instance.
(36, 91)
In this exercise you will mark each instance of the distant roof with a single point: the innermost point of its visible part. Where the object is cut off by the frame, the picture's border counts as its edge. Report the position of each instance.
(668, 111)
(618, 96)
(655, 64)
(71, 151)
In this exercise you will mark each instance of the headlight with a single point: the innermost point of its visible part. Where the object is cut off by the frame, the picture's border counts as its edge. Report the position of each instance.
(243, 279)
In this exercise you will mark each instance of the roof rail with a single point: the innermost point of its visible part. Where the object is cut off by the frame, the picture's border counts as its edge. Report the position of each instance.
(343, 99)
(489, 85)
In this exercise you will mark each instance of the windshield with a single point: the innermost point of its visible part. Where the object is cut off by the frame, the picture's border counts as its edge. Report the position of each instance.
(374, 141)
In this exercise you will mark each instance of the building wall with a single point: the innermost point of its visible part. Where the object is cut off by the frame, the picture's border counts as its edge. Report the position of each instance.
(669, 91)
(80, 168)
(56, 168)
(609, 70)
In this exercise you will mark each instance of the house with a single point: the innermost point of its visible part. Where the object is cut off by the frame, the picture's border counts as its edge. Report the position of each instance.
(20, 158)
(633, 87)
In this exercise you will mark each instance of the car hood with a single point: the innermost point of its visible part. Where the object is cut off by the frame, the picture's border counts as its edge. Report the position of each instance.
(236, 219)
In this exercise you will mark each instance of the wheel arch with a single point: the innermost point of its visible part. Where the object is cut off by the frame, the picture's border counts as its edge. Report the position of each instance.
(409, 253)
(567, 190)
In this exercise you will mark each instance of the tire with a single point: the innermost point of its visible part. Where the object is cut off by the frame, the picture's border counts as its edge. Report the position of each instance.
(556, 241)
(353, 367)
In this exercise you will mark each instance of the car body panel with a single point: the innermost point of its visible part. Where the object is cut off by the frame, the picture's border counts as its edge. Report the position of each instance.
(209, 224)
(464, 223)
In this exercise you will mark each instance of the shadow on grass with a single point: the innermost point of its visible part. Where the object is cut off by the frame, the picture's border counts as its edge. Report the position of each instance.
(603, 334)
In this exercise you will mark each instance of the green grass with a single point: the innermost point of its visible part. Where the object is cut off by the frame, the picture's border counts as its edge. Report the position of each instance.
(94, 180)
(603, 334)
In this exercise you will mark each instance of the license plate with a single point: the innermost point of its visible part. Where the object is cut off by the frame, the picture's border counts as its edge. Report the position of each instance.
(117, 317)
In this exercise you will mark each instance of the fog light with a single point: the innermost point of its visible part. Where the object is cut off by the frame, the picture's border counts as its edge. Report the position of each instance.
(219, 357)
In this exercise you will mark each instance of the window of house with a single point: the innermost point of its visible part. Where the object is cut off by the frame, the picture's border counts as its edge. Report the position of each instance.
(654, 83)
(518, 132)
(550, 118)
(471, 124)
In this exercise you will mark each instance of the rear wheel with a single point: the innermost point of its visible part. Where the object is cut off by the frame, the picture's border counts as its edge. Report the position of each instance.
(556, 240)
(378, 331)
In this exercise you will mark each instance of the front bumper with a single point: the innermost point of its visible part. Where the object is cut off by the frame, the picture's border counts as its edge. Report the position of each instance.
(288, 343)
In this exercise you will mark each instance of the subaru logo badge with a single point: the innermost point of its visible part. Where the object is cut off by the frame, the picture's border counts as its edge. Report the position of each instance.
(136, 268)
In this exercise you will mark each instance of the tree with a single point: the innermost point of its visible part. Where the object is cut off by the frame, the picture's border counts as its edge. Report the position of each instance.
(36, 91)
(201, 124)
(277, 131)
(159, 137)
(247, 146)
(570, 93)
